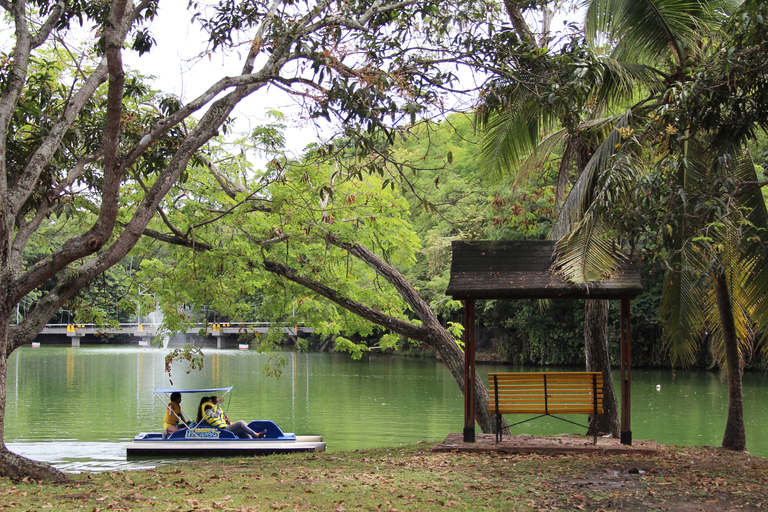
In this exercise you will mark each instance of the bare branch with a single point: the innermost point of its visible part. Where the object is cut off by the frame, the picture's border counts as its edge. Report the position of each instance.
(228, 186)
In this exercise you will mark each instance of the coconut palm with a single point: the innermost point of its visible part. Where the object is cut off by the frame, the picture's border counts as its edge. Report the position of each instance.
(714, 231)
(656, 46)
(515, 113)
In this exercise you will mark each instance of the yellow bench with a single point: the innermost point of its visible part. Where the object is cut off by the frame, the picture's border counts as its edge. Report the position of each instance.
(545, 394)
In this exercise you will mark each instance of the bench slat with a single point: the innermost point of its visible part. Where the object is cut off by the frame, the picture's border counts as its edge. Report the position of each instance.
(546, 393)
(539, 400)
(552, 410)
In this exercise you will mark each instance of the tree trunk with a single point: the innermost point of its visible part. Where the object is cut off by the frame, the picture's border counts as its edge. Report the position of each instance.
(15, 466)
(735, 437)
(431, 332)
(599, 360)
(453, 357)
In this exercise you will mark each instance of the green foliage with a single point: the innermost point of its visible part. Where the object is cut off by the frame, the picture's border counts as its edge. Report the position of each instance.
(524, 333)
(355, 350)
(449, 200)
(192, 355)
(283, 214)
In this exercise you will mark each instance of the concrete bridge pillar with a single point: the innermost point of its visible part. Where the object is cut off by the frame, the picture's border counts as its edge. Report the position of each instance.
(218, 331)
(74, 334)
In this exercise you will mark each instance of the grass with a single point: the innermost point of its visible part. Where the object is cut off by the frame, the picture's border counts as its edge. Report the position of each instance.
(414, 478)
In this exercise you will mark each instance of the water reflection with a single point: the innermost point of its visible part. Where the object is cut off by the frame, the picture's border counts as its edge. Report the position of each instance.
(76, 408)
(76, 457)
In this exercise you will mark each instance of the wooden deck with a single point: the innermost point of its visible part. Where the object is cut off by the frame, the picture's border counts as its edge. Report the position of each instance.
(486, 443)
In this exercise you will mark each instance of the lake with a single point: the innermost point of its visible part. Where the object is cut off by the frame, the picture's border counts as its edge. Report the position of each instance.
(77, 407)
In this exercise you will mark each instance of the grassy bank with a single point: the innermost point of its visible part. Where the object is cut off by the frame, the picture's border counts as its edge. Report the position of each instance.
(413, 478)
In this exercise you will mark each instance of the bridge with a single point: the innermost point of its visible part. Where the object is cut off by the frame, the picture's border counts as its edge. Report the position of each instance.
(146, 332)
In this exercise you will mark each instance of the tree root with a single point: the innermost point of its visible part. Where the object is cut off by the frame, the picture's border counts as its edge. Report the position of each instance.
(16, 467)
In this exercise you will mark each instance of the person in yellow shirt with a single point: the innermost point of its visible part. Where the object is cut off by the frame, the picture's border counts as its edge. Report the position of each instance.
(173, 415)
(216, 402)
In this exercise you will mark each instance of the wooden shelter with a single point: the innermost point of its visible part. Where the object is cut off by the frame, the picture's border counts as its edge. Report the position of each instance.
(523, 270)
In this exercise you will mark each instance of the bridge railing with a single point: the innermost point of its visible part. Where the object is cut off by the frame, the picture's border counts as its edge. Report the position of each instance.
(146, 331)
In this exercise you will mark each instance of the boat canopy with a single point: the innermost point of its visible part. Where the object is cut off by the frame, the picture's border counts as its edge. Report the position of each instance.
(207, 390)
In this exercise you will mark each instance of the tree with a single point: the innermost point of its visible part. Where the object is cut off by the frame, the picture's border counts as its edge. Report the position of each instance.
(87, 136)
(300, 235)
(676, 159)
(718, 255)
(555, 89)
(713, 230)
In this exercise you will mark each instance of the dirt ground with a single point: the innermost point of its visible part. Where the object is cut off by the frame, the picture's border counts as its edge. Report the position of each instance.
(644, 476)
(695, 479)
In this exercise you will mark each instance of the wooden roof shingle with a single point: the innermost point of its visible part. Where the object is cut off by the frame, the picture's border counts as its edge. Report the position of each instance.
(521, 269)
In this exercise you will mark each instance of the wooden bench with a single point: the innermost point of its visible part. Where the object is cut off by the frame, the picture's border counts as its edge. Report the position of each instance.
(545, 394)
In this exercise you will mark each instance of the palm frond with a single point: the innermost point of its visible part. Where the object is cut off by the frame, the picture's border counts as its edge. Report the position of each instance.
(621, 81)
(738, 273)
(730, 245)
(750, 200)
(540, 155)
(680, 310)
(651, 30)
(511, 136)
(588, 254)
(754, 249)
(580, 197)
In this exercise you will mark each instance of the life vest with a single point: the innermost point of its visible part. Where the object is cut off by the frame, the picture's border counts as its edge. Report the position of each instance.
(202, 408)
(212, 417)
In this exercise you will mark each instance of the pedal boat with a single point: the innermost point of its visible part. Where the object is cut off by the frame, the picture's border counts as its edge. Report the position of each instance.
(208, 441)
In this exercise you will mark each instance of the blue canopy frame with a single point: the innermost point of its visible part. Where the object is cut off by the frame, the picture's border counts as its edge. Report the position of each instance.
(207, 390)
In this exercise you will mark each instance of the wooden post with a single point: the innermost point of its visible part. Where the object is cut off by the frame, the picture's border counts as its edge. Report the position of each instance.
(626, 373)
(469, 371)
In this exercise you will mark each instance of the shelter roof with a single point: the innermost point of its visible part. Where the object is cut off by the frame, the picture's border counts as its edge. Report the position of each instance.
(521, 269)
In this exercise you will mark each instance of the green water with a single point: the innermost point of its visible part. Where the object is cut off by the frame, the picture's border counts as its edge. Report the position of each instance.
(77, 407)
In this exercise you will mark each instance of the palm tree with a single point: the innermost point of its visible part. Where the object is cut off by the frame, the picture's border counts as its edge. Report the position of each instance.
(656, 44)
(515, 114)
(712, 244)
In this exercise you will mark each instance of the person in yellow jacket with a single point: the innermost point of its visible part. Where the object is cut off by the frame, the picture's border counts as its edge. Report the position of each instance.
(206, 400)
(213, 416)
(216, 402)
(173, 415)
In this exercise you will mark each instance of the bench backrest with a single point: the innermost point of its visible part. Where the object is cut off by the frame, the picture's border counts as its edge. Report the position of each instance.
(546, 393)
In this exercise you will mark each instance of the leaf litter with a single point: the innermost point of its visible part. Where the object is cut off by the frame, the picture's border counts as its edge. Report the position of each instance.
(413, 478)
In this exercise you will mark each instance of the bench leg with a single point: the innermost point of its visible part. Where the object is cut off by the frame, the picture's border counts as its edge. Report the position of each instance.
(498, 428)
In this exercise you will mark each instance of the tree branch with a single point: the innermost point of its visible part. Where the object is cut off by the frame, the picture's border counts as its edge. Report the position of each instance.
(414, 332)
(518, 21)
(395, 278)
(180, 240)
